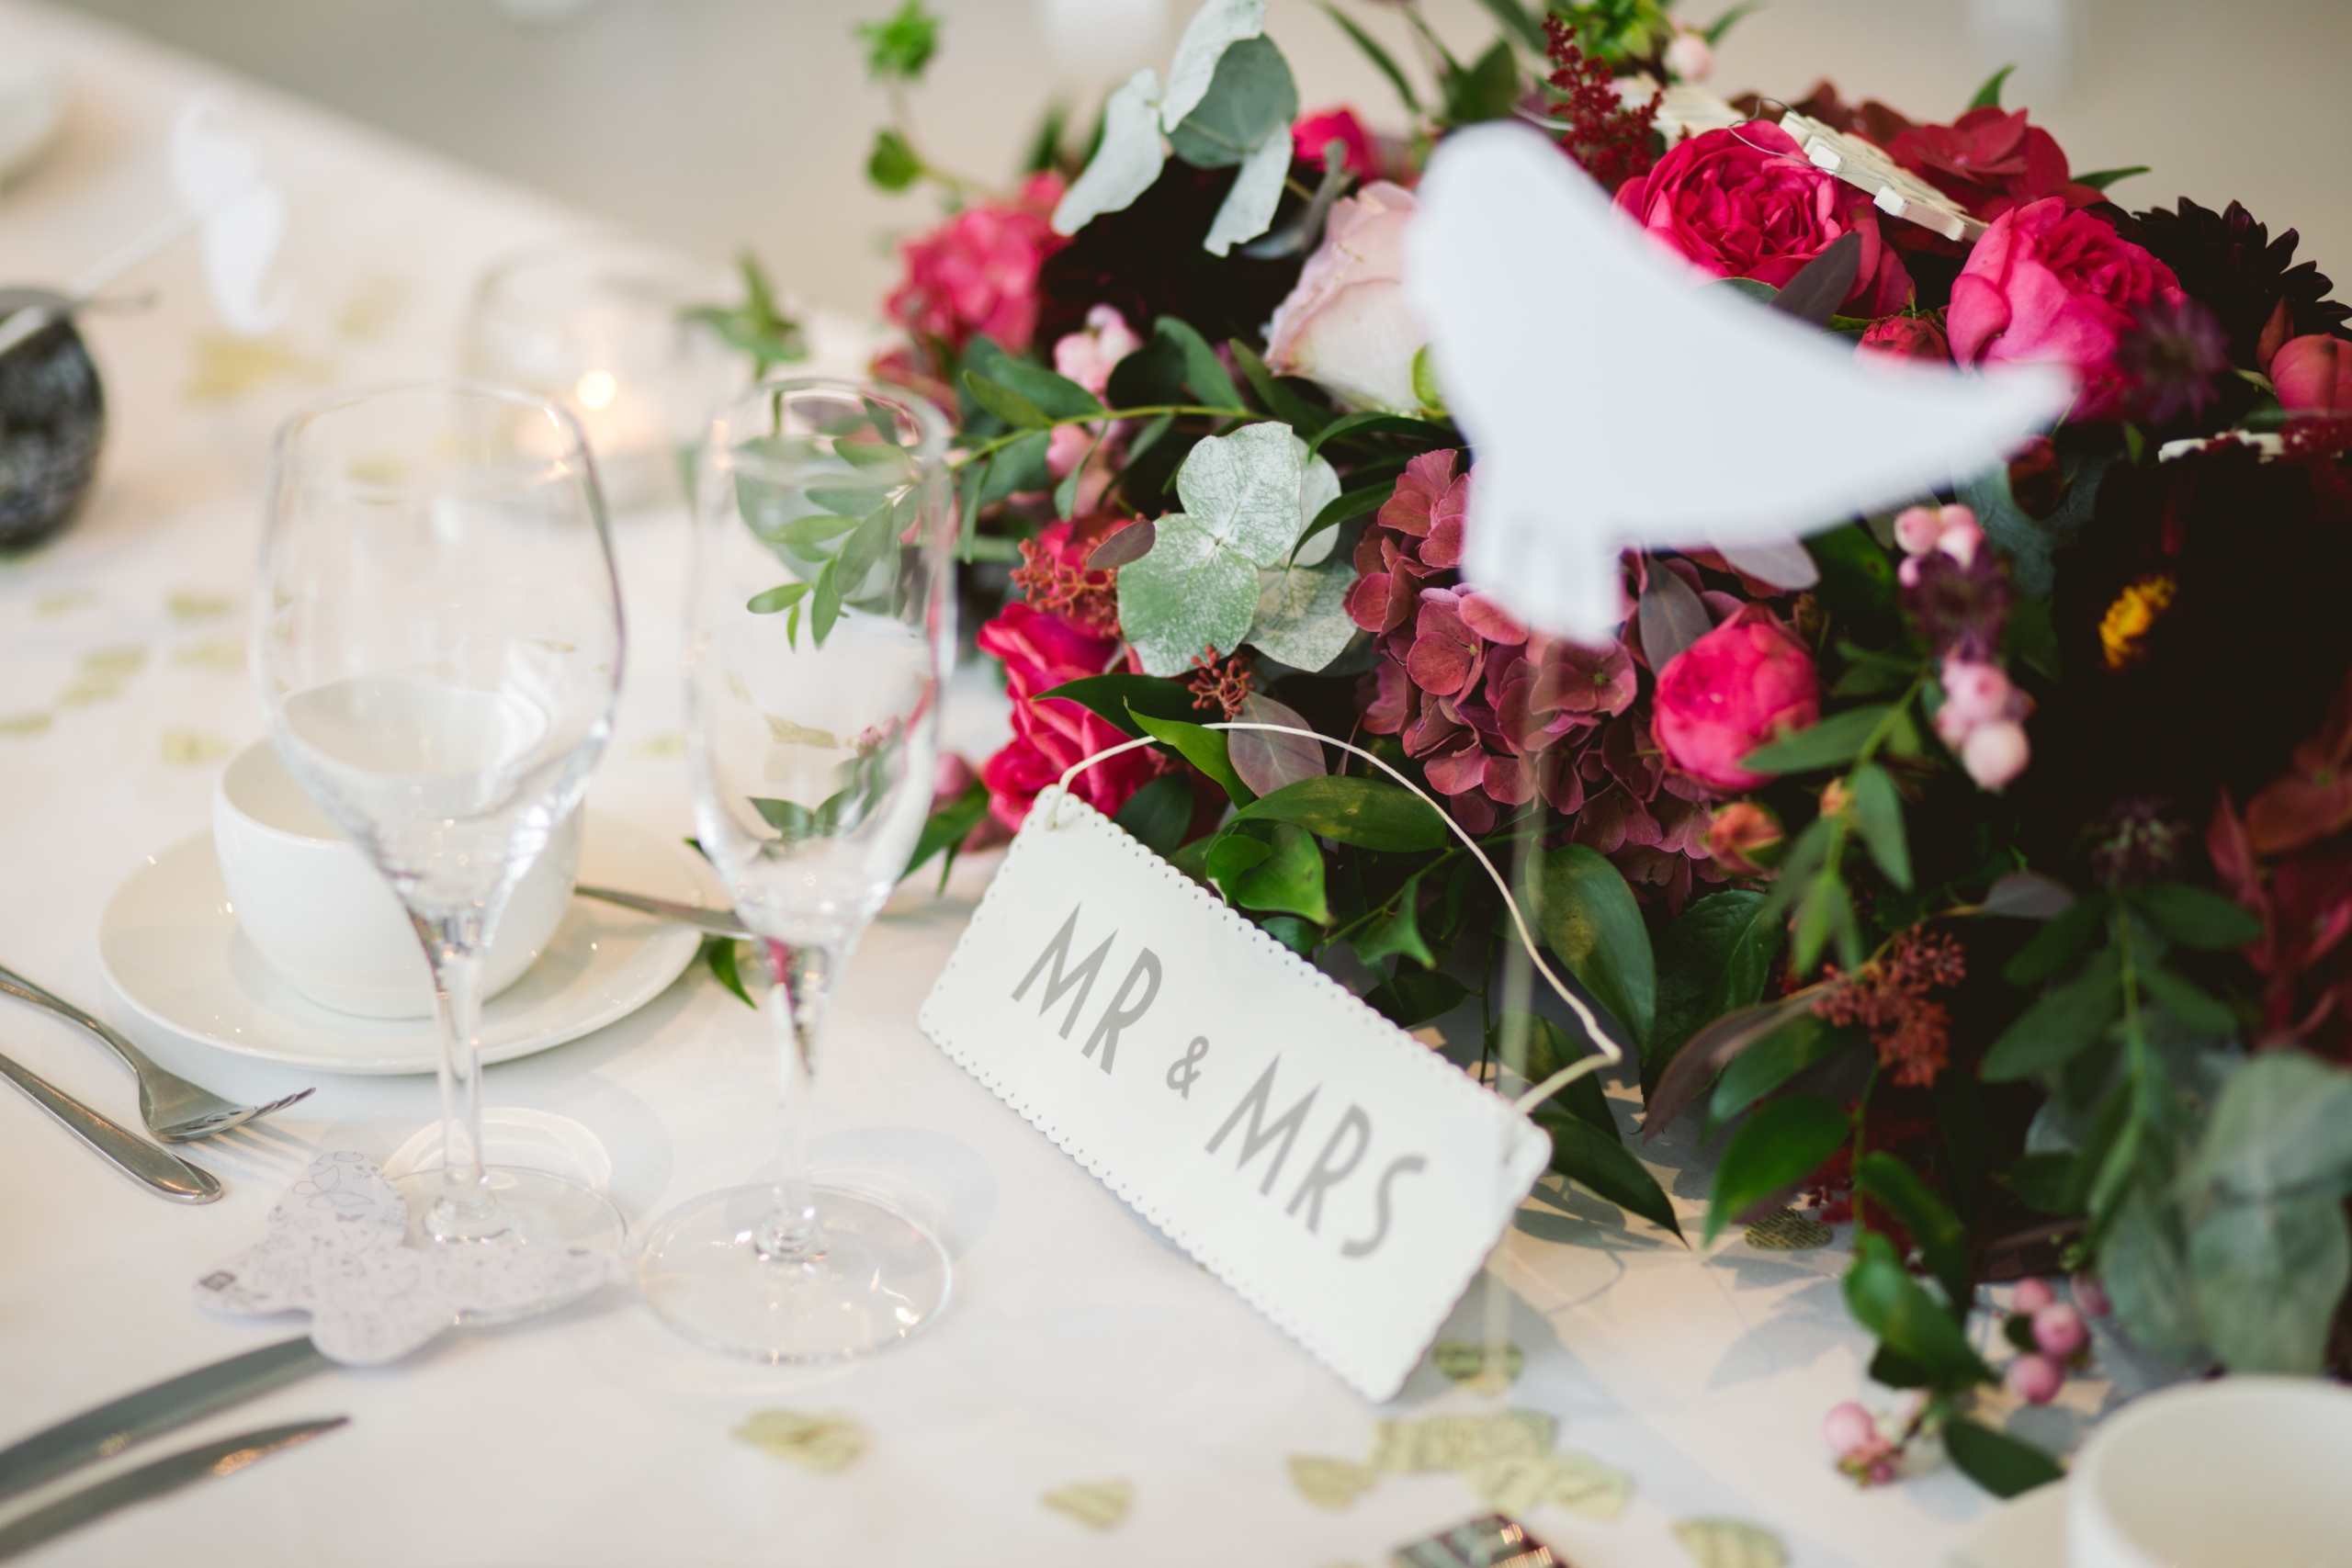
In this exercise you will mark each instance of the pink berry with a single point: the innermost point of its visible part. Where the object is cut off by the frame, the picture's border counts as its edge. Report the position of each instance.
(1996, 753)
(2035, 1379)
(1917, 529)
(1849, 1428)
(2091, 1296)
(2059, 1331)
(2032, 1295)
(1977, 693)
(1959, 535)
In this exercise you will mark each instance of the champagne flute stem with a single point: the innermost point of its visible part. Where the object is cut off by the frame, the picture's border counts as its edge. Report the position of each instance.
(801, 983)
(453, 946)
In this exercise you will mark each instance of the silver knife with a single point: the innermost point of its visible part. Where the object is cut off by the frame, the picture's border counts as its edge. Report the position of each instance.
(225, 1457)
(718, 922)
(115, 1426)
(152, 1166)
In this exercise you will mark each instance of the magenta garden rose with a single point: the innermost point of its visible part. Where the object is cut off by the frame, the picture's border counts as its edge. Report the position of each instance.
(2047, 285)
(1730, 692)
(1743, 202)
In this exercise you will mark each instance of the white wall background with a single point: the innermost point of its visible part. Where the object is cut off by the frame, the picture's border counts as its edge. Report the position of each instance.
(718, 123)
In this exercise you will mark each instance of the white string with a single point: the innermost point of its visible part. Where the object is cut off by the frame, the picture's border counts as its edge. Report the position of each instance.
(1611, 1052)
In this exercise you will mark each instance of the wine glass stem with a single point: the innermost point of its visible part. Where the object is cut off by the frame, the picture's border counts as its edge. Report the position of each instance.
(453, 945)
(801, 982)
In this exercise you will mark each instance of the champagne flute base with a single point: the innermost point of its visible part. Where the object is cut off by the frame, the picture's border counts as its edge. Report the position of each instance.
(538, 1206)
(878, 1278)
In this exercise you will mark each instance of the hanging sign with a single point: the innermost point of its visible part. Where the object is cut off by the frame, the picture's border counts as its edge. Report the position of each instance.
(1347, 1180)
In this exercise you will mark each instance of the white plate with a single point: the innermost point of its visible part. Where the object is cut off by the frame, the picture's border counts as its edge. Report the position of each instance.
(178, 964)
(2024, 1532)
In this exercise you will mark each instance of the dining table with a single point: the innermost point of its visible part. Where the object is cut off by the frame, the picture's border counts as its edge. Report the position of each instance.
(1081, 1346)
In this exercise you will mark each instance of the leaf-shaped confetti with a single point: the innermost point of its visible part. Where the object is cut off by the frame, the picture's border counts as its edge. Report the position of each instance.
(191, 748)
(1330, 1482)
(1303, 614)
(1466, 1361)
(1462, 1442)
(1511, 1485)
(1097, 1505)
(824, 1442)
(1729, 1543)
(1582, 1484)
(1191, 593)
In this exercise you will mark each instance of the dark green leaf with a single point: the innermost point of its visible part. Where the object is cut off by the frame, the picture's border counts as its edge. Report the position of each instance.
(1707, 1051)
(892, 165)
(1204, 372)
(1300, 936)
(1713, 31)
(2100, 179)
(1857, 580)
(1426, 434)
(2189, 1006)
(1589, 917)
(1371, 814)
(1885, 1300)
(1714, 960)
(1413, 996)
(1487, 90)
(1109, 698)
(2068, 1019)
(1230, 854)
(1988, 96)
(1205, 749)
(1878, 812)
(1997, 1461)
(1157, 814)
(719, 953)
(2054, 945)
(1017, 467)
(778, 598)
(2041, 1180)
(2028, 896)
(1281, 401)
(1350, 504)
(1251, 98)
(1593, 1159)
(1054, 395)
(1898, 1371)
(1828, 911)
(1777, 1056)
(1396, 932)
(1289, 881)
(1814, 295)
(1517, 21)
(945, 831)
(2195, 916)
(1004, 402)
(1534, 1048)
(1382, 61)
(825, 601)
(1837, 739)
(1774, 1149)
(1942, 1241)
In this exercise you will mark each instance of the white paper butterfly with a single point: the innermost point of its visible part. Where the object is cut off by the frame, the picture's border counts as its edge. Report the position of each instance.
(337, 1249)
(1612, 404)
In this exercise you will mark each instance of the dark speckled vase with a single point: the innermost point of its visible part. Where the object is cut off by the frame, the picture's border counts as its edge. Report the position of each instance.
(52, 422)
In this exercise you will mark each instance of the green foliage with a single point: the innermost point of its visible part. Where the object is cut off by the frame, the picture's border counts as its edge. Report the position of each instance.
(1777, 1056)
(1839, 738)
(893, 164)
(1988, 96)
(2196, 918)
(1942, 1242)
(2068, 1019)
(724, 958)
(1412, 996)
(1590, 918)
(1486, 90)
(1534, 1048)
(1205, 749)
(945, 831)
(1117, 699)
(2100, 179)
(1714, 960)
(1382, 61)
(1287, 880)
(1997, 1461)
(1250, 98)
(1598, 1161)
(756, 327)
(1371, 814)
(1885, 1300)
(1157, 814)
(1199, 588)
(1777, 1147)
(1394, 931)
(899, 46)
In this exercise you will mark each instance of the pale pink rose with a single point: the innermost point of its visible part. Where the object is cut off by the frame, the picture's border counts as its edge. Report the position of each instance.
(1346, 326)
(1689, 58)
(2314, 375)
(1087, 358)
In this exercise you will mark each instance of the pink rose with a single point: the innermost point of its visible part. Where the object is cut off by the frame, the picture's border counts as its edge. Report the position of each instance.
(2049, 285)
(976, 273)
(1727, 694)
(1039, 652)
(1346, 326)
(2314, 376)
(1087, 358)
(1311, 133)
(1743, 202)
(1907, 337)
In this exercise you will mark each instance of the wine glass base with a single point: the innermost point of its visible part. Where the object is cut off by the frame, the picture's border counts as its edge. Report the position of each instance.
(880, 1279)
(538, 1206)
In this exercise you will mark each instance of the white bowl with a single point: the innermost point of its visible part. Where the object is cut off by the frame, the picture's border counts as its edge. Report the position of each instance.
(2243, 1472)
(325, 918)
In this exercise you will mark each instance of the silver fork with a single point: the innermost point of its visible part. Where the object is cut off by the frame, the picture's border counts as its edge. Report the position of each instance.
(173, 1108)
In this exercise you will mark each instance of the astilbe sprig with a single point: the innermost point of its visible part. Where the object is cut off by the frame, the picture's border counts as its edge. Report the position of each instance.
(1611, 140)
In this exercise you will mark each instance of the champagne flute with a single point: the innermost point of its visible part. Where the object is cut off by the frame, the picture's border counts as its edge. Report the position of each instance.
(822, 633)
(438, 651)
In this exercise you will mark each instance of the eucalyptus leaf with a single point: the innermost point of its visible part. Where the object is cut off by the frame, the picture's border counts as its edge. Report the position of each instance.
(2144, 1267)
(1250, 99)
(1318, 487)
(1127, 159)
(1265, 760)
(2282, 1124)
(1215, 27)
(1193, 594)
(1302, 615)
(1878, 812)
(2267, 1277)
(2068, 1019)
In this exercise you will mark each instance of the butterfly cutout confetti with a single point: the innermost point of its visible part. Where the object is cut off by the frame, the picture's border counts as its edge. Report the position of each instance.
(338, 1249)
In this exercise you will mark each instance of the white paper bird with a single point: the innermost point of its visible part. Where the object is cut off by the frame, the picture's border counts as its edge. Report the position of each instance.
(337, 1249)
(218, 176)
(1612, 403)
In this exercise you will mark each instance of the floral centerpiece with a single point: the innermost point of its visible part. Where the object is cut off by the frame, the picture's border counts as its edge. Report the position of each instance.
(1979, 874)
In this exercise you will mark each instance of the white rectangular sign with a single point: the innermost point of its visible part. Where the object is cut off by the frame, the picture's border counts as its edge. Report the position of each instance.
(1343, 1176)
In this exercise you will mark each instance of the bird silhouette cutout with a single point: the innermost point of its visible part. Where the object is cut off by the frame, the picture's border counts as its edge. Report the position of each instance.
(218, 176)
(338, 1249)
(1613, 402)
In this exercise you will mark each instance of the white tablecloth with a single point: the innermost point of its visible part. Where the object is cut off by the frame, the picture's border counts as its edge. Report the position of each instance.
(1081, 1346)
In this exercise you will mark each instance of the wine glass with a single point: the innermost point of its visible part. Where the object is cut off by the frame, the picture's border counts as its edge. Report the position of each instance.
(439, 651)
(821, 632)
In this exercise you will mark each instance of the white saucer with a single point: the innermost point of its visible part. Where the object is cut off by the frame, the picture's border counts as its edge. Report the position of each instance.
(177, 964)
(2024, 1532)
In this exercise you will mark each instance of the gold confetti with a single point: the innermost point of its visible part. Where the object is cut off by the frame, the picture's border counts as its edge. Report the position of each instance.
(671, 745)
(1582, 1484)
(787, 733)
(1330, 1482)
(187, 748)
(1097, 1505)
(1728, 1543)
(84, 693)
(824, 1442)
(114, 661)
(1511, 1485)
(62, 601)
(225, 654)
(25, 724)
(185, 605)
(1461, 1442)
(1465, 1363)
(228, 368)
(371, 307)
(1788, 1230)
